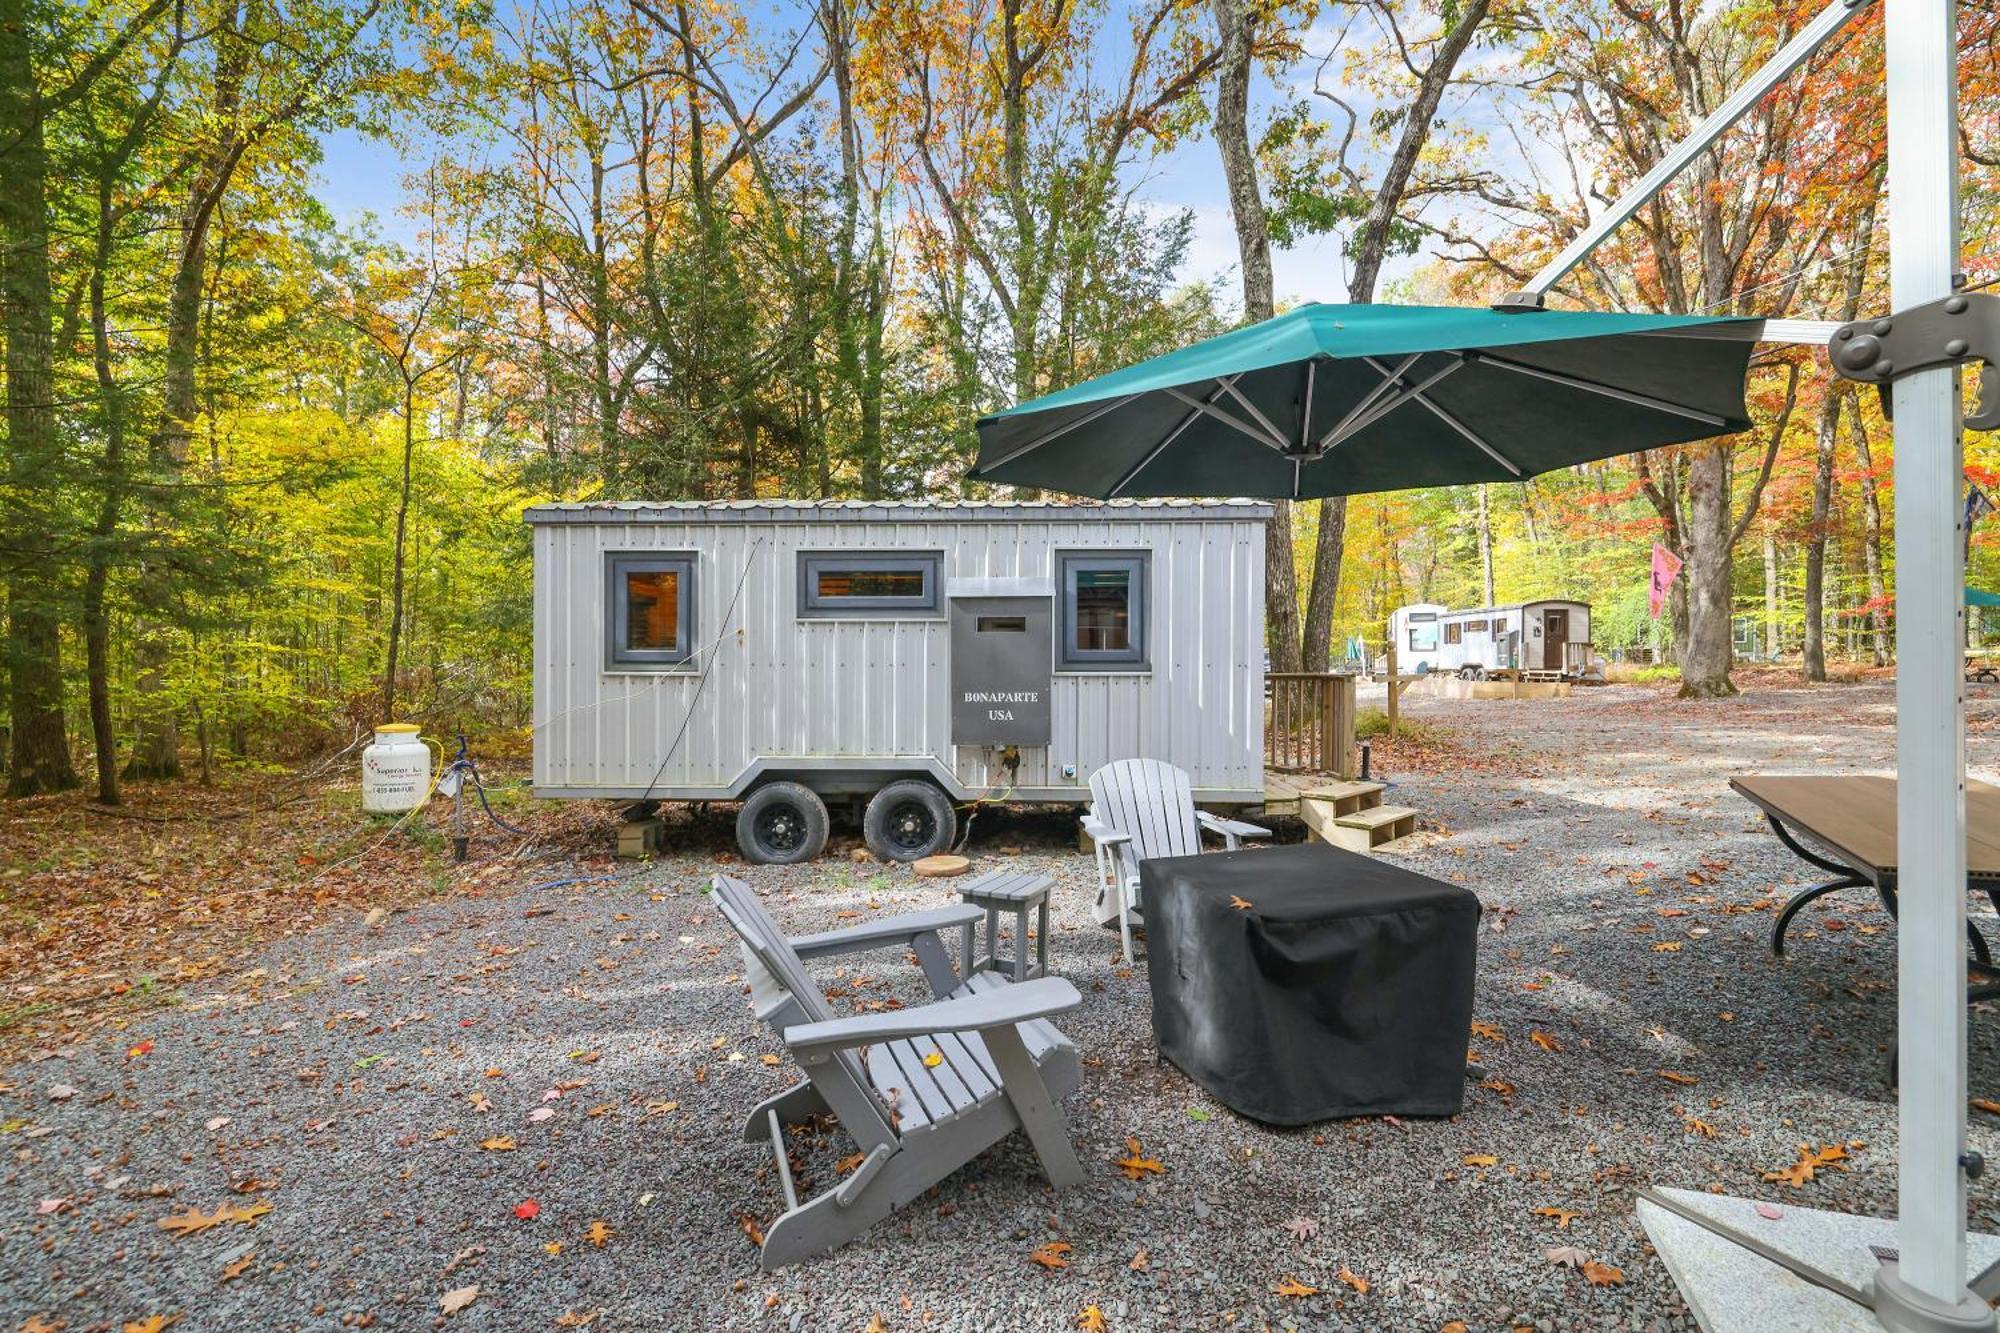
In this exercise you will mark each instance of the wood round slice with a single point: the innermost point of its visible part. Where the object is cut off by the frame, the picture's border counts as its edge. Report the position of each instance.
(941, 867)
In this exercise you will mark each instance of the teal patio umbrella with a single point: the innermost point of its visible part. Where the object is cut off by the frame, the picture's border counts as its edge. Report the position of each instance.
(1979, 597)
(1347, 399)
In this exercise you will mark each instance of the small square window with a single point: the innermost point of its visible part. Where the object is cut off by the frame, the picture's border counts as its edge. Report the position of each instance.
(1452, 633)
(1104, 612)
(868, 585)
(649, 610)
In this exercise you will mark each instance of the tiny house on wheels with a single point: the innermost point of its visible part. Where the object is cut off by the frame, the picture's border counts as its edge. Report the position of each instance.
(902, 659)
(1546, 640)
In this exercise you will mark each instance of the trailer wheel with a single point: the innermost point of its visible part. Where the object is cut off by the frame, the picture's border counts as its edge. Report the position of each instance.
(907, 821)
(781, 823)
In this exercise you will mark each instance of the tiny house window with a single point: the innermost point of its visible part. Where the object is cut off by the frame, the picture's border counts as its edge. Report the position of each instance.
(833, 584)
(649, 610)
(1475, 626)
(1103, 612)
(1452, 633)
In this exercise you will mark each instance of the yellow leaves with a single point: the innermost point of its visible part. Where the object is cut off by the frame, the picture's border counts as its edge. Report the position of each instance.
(1698, 1127)
(1296, 1289)
(933, 1060)
(1481, 1159)
(769, 1059)
(152, 1323)
(1667, 946)
(481, 1103)
(850, 1162)
(1240, 904)
(1563, 1216)
(1675, 1076)
(1353, 1279)
(193, 1221)
(1051, 1256)
(1091, 1320)
(875, 1325)
(597, 1234)
(499, 1144)
(237, 1268)
(586, 1057)
(1545, 1041)
(1135, 1164)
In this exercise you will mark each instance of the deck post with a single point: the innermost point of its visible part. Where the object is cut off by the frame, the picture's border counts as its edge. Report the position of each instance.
(1925, 1288)
(1390, 657)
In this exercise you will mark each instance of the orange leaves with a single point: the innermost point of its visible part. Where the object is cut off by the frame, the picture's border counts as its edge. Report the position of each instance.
(1698, 1127)
(1135, 1164)
(1480, 1159)
(1051, 1256)
(1563, 1216)
(1487, 1031)
(1295, 1289)
(597, 1233)
(752, 1230)
(1353, 1279)
(1240, 904)
(142, 1048)
(193, 1221)
(1667, 946)
(1675, 1076)
(499, 1144)
(1812, 1161)
(1545, 1041)
(1595, 1271)
(1091, 1320)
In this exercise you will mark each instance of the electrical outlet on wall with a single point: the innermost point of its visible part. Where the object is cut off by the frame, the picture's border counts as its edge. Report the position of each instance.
(1069, 772)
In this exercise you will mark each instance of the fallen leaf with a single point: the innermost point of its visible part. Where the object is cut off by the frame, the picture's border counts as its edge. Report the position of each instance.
(481, 1103)
(1695, 1125)
(1986, 1104)
(1544, 1040)
(752, 1230)
(577, 1319)
(237, 1268)
(774, 1060)
(1139, 1261)
(1602, 1274)
(1667, 946)
(1563, 1216)
(501, 1144)
(539, 1114)
(1092, 1320)
(1303, 1228)
(1291, 1286)
(586, 1057)
(1353, 1279)
(1567, 1254)
(1050, 1256)
(1487, 1031)
(62, 1092)
(217, 1123)
(1675, 1076)
(598, 1233)
(1770, 1212)
(933, 1060)
(457, 1299)
(1480, 1159)
(527, 1210)
(849, 1162)
(133, 1053)
(152, 1323)
(1240, 904)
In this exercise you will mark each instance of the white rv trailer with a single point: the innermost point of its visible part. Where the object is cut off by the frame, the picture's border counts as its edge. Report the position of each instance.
(915, 656)
(1549, 638)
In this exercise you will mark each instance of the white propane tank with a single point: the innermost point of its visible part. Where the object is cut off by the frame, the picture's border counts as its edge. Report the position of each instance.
(395, 770)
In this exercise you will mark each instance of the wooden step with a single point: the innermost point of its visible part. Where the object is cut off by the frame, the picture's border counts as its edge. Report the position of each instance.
(1321, 806)
(1366, 830)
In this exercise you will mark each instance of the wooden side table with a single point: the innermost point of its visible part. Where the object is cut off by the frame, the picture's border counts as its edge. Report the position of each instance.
(1015, 892)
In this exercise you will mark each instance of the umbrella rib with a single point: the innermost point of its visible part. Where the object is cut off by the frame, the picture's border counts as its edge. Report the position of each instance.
(1370, 398)
(1229, 386)
(1305, 427)
(1161, 447)
(1057, 433)
(1608, 391)
(1226, 418)
(1470, 434)
(1405, 394)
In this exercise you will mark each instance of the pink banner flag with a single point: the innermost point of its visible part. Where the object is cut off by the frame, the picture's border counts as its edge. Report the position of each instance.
(1666, 565)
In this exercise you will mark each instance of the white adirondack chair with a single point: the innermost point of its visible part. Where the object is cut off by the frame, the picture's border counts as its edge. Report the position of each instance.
(922, 1090)
(1140, 809)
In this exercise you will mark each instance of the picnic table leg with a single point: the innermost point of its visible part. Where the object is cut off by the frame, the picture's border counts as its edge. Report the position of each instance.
(1981, 955)
(1848, 878)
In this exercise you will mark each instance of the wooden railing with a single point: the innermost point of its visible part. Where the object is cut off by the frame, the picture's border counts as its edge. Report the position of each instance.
(1576, 656)
(1309, 722)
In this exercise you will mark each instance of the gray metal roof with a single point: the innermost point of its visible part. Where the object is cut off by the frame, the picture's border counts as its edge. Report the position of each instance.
(844, 511)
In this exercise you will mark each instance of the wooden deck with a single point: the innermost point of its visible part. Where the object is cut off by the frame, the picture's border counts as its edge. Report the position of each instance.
(1281, 790)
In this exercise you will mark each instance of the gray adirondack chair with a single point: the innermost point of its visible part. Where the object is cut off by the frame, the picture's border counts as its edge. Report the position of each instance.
(1001, 1067)
(1140, 809)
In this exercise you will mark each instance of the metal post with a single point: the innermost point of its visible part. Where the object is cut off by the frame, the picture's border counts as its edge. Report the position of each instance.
(1925, 1288)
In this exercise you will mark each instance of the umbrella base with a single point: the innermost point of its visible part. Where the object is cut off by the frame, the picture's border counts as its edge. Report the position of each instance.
(1731, 1287)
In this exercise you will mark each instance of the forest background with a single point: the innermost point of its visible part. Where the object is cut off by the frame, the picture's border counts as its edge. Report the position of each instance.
(264, 463)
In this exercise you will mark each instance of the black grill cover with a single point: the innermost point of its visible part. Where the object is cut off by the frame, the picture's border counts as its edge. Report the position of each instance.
(1344, 989)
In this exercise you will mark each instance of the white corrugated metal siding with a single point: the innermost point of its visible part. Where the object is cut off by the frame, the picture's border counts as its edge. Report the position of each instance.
(877, 691)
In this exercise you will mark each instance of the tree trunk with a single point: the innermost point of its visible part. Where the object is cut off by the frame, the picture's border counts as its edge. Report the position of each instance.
(1871, 531)
(96, 615)
(1771, 636)
(396, 558)
(38, 747)
(1813, 667)
(1328, 548)
(1707, 655)
(1485, 548)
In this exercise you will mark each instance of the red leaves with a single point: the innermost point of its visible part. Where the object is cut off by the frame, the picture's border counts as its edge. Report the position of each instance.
(527, 1210)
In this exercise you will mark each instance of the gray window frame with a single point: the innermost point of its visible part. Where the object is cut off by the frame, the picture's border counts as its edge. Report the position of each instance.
(618, 656)
(928, 606)
(1137, 658)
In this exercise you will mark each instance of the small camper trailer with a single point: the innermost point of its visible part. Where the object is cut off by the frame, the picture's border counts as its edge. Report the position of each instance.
(1545, 640)
(904, 659)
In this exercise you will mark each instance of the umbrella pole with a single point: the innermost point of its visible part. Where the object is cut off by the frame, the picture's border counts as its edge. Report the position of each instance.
(1925, 1287)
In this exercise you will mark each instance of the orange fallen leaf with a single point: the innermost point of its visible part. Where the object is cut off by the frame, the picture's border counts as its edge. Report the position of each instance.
(1455, 1326)
(1292, 1287)
(1601, 1274)
(1240, 904)
(1563, 1216)
(1139, 1261)
(1986, 1104)
(501, 1144)
(1544, 1040)
(849, 1162)
(598, 1234)
(133, 1053)
(1050, 1256)
(152, 1323)
(752, 1230)
(1480, 1159)
(1675, 1076)
(1092, 1320)
(232, 1271)
(1487, 1031)
(1700, 1127)
(1135, 1164)
(1353, 1279)
(770, 1059)
(1667, 946)
(1499, 1085)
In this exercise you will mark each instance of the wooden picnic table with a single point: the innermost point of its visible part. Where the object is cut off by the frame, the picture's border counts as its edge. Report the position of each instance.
(1853, 817)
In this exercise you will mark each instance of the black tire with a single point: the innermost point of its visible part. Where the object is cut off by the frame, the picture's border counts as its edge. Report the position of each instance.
(781, 823)
(908, 820)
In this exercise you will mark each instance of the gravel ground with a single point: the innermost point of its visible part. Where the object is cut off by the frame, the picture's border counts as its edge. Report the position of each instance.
(340, 1077)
